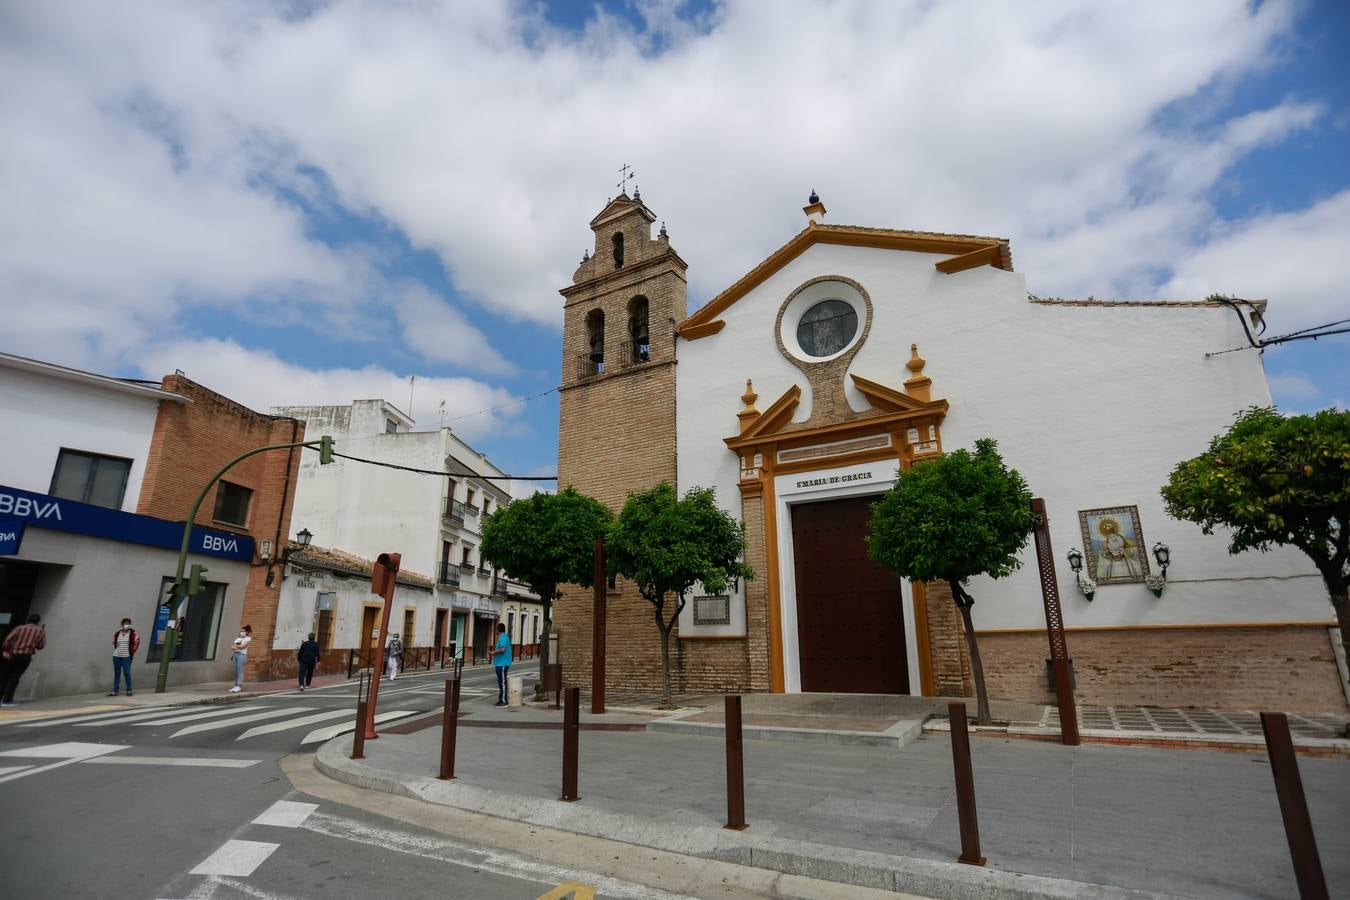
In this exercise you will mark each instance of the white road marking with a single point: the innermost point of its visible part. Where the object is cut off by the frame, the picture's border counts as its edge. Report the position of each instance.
(68, 753)
(239, 720)
(130, 712)
(296, 723)
(286, 814)
(238, 858)
(192, 717)
(207, 761)
(5, 770)
(498, 862)
(332, 731)
(207, 890)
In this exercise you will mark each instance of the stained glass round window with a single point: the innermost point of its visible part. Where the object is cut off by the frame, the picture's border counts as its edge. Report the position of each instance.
(826, 328)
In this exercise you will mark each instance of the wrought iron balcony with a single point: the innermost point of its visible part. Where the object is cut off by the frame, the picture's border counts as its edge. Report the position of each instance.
(589, 368)
(454, 512)
(466, 567)
(449, 575)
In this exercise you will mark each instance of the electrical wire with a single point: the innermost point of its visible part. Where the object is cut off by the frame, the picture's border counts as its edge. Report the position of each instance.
(387, 465)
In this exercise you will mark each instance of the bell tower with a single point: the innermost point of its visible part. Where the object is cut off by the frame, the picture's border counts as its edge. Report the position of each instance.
(617, 420)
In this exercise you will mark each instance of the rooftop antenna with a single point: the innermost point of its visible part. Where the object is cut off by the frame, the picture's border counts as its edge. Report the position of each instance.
(626, 174)
(412, 385)
(442, 409)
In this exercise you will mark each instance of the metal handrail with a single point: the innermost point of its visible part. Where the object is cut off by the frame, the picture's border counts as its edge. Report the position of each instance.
(449, 574)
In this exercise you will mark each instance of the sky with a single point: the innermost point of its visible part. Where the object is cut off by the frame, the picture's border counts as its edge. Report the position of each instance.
(311, 202)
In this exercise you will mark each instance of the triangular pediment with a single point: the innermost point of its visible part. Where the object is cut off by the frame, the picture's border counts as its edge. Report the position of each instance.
(620, 205)
(961, 252)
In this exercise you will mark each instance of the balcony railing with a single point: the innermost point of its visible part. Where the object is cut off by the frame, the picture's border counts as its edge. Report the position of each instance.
(638, 353)
(470, 509)
(449, 574)
(454, 512)
(466, 567)
(589, 368)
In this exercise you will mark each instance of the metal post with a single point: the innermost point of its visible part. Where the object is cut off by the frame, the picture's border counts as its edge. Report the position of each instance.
(965, 787)
(1312, 884)
(571, 731)
(735, 765)
(598, 631)
(1054, 627)
(449, 728)
(359, 733)
(382, 581)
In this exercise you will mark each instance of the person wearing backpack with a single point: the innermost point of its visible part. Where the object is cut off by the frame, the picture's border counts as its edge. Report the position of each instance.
(125, 643)
(393, 656)
(308, 657)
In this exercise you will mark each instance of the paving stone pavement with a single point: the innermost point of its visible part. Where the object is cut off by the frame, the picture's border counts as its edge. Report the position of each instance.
(1233, 723)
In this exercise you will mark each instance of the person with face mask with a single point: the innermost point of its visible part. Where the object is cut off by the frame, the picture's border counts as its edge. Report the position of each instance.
(125, 644)
(239, 657)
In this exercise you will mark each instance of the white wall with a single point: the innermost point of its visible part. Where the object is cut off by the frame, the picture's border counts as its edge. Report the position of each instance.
(40, 415)
(299, 595)
(1093, 405)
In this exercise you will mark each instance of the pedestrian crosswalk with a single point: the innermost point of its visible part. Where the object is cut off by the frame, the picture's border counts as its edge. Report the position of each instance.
(254, 719)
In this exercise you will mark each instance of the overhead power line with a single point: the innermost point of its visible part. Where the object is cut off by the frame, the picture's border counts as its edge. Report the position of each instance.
(387, 465)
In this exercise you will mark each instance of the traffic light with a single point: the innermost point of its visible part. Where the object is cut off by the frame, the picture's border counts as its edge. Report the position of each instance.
(195, 583)
(325, 449)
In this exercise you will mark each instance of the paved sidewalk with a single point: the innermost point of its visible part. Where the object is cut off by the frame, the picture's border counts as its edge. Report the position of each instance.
(1093, 821)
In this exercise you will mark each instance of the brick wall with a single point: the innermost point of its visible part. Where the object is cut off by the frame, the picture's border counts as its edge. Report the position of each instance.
(1291, 669)
(191, 442)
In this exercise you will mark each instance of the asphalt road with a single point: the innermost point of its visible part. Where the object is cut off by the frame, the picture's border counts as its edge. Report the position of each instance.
(192, 802)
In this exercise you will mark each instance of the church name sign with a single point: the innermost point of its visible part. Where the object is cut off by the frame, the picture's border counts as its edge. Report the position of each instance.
(835, 479)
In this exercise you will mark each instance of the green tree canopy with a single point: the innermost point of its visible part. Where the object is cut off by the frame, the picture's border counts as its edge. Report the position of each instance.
(546, 541)
(1276, 480)
(950, 519)
(665, 544)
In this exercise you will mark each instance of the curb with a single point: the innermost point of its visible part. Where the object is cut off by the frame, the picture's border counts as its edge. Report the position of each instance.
(1334, 748)
(695, 836)
(894, 738)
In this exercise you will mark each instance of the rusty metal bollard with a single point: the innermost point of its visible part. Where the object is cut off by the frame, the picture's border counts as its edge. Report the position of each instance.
(965, 787)
(571, 734)
(735, 764)
(359, 735)
(449, 729)
(1312, 883)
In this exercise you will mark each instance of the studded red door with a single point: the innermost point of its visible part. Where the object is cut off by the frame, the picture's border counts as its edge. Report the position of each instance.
(850, 620)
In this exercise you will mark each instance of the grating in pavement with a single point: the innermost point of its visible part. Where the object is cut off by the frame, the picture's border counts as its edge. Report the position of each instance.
(1242, 723)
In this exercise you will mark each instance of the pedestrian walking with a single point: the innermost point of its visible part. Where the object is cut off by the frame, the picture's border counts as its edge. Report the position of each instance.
(16, 653)
(239, 657)
(501, 662)
(393, 656)
(308, 657)
(125, 644)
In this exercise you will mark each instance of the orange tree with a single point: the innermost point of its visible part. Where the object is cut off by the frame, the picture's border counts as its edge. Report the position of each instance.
(1275, 480)
(950, 519)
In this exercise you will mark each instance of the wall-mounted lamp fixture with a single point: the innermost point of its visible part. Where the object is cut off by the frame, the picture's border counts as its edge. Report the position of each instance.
(1086, 585)
(265, 552)
(1164, 557)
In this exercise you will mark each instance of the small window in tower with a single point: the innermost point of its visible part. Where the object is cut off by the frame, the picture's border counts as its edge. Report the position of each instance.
(637, 329)
(618, 250)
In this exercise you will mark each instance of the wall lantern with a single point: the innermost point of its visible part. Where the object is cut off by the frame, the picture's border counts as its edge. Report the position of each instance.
(1157, 582)
(1086, 585)
(304, 537)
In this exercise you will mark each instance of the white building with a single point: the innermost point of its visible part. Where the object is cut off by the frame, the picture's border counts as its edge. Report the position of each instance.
(850, 353)
(365, 510)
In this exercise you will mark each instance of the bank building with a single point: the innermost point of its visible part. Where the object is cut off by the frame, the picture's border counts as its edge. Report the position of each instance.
(800, 390)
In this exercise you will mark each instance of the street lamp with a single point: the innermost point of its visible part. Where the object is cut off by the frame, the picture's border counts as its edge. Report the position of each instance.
(303, 538)
(1163, 555)
(1086, 586)
(1075, 560)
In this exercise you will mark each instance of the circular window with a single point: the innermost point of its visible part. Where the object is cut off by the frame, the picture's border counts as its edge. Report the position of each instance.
(827, 327)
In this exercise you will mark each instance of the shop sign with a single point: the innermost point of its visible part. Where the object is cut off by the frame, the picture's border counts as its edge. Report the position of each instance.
(11, 536)
(57, 514)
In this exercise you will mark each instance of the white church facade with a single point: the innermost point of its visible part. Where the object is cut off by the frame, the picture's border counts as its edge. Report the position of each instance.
(801, 390)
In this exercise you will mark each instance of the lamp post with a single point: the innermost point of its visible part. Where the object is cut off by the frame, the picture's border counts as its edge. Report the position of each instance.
(1086, 588)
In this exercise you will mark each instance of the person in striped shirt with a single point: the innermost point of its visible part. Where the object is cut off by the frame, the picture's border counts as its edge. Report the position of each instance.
(16, 653)
(125, 644)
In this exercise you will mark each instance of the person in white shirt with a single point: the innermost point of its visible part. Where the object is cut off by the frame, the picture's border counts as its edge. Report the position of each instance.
(240, 657)
(125, 644)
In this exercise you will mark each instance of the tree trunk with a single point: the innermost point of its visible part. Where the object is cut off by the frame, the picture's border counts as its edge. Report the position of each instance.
(1340, 601)
(666, 700)
(964, 602)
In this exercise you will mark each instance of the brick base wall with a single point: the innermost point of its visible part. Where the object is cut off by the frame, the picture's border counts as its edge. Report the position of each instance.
(1291, 669)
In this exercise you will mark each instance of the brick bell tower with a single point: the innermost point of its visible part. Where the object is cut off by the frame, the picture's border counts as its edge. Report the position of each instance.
(617, 423)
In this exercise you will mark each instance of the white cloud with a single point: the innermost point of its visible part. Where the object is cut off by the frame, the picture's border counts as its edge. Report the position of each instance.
(1293, 388)
(440, 332)
(1297, 260)
(259, 380)
(144, 144)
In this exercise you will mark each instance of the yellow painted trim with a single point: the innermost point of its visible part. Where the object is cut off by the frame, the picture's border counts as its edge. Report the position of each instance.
(777, 679)
(1198, 626)
(885, 398)
(980, 257)
(776, 416)
(857, 458)
(947, 245)
(708, 329)
(921, 638)
(838, 431)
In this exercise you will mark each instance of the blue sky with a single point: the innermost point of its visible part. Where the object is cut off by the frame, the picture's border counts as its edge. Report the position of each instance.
(309, 203)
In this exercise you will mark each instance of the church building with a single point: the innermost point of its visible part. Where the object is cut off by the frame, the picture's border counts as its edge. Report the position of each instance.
(801, 390)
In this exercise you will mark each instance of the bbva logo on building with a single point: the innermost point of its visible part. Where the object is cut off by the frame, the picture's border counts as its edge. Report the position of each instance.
(220, 544)
(25, 508)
